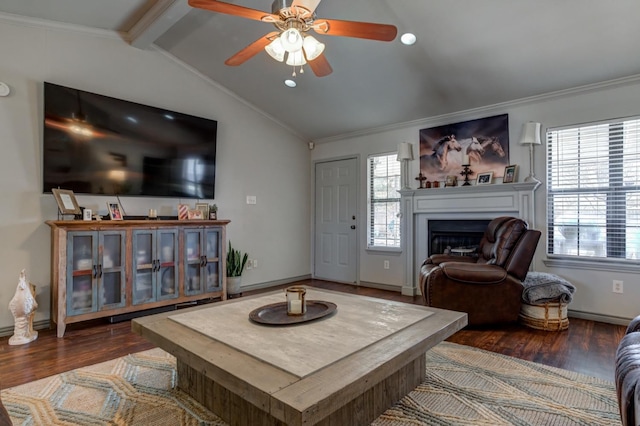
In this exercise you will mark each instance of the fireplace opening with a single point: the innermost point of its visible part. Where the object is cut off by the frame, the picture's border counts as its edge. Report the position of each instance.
(456, 236)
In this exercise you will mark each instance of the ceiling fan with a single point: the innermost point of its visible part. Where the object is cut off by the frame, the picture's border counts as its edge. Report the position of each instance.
(294, 19)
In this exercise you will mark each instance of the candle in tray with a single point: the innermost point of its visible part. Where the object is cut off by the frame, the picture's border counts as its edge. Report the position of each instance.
(465, 160)
(296, 306)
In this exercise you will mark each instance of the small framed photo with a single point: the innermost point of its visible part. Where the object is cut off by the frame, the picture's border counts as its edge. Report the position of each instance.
(115, 211)
(452, 180)
(484, 178)
(204, 208)
(67, 203)
(195, 214)
(183, 211)
(87, 214)
(510, 173)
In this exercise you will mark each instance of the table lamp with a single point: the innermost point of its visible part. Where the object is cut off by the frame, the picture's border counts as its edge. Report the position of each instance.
(405, 154)
(531, 136)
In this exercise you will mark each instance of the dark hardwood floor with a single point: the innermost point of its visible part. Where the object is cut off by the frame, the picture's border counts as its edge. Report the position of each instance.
(587, 347)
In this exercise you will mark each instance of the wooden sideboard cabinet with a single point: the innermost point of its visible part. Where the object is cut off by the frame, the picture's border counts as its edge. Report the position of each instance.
(113, 267)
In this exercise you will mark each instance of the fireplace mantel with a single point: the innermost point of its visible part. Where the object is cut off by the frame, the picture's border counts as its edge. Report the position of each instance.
(418, 206)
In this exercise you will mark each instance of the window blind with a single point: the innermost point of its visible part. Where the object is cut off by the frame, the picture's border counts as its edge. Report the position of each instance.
(593, 190)
(383, 201)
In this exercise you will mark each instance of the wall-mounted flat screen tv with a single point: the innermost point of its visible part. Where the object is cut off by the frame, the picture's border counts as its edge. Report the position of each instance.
(95, 144)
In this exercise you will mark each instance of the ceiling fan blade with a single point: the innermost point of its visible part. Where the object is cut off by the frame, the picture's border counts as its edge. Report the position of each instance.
(368, 30)
(251, 50)
(320, 66)
(310, 5)
(231, 9)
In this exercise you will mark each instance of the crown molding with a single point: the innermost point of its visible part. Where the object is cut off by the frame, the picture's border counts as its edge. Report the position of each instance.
(499, 107)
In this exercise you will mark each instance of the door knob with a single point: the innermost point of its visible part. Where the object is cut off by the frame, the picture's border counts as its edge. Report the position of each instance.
(353, 227)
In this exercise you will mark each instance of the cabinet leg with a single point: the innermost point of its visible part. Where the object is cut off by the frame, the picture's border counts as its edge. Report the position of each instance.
(61, 327)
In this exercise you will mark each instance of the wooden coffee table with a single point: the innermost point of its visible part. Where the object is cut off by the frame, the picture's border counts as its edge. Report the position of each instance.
(346, 368)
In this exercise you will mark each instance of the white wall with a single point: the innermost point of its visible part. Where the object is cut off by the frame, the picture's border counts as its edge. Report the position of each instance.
(594, 298)
(255, 155)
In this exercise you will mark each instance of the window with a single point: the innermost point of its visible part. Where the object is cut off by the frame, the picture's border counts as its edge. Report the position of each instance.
(593, 190)
(384, 201)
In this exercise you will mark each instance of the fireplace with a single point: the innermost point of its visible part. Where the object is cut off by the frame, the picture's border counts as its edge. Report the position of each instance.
(422, 209)
(444, 235)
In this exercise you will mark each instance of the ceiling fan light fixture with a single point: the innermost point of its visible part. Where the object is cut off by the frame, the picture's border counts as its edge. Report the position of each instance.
(312, 48)
(275, 49)
(296, 59)
(291, 40)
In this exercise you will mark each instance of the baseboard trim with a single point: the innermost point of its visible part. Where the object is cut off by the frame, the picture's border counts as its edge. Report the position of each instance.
(389, 287)
(37, 325)
(598, 317)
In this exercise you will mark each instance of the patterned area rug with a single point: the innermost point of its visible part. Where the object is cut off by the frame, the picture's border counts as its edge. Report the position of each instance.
(464, 386)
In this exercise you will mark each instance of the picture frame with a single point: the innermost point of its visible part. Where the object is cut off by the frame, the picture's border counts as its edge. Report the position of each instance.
(204, 207)
(183, 211)
(482, 141)
(484, 178)
(452, 180)
(115, 211)
(510, 173)
(195, 215)
(67, 203)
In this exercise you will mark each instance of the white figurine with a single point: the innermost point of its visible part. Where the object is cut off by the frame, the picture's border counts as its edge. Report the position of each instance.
(23, 307)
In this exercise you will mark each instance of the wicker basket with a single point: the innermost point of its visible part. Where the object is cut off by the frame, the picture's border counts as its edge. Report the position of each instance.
(548, 317)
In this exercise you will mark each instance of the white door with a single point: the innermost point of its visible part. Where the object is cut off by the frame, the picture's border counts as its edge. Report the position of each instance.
(335, 221)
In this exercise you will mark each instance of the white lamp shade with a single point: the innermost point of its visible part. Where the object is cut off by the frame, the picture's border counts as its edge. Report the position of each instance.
(312, 48)
(530, 134)
(291, 40)
(275, 50)
(296, 59)
(405, 151)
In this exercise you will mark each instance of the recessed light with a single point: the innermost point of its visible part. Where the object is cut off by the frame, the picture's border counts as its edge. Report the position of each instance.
(408, 39)
(132, 119)
(290, 83)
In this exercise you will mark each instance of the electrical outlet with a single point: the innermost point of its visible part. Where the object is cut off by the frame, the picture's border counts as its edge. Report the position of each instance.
(386, 264)
(249, 264)
(255, 263)
(251, 199)
(618, 286)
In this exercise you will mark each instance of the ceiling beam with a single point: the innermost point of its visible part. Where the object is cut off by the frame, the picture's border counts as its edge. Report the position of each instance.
(162, 16)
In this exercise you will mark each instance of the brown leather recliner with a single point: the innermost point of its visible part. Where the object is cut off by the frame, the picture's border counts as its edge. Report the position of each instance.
(628, 374)
(487, 287)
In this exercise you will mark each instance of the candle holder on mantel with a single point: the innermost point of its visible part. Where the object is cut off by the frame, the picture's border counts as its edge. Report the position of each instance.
(466, 171)
(295, 301)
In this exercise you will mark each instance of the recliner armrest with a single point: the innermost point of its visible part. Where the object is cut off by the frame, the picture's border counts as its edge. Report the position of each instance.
(473, 273)
(437, 259)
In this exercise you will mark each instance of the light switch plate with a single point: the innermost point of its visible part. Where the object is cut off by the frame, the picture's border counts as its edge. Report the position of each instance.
(251, 199)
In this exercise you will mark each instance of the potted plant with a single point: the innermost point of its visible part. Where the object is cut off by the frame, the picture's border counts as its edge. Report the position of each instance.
(236, 262)
(213, 212)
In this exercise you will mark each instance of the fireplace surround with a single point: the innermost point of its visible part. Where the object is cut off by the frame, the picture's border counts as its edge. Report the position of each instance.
(420, 207)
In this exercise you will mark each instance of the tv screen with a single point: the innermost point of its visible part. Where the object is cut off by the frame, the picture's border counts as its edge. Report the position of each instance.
(95, 144)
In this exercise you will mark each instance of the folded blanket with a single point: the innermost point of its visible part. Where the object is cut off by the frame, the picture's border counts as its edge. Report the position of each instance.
(541, 287)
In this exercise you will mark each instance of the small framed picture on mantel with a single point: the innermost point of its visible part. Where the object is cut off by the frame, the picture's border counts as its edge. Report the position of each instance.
(484, 178)
(510, 173)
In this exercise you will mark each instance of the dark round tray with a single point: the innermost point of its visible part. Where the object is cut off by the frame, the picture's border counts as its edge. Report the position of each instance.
(276, 313)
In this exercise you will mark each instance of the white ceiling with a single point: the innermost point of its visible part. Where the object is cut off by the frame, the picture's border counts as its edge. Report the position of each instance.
(470, 53)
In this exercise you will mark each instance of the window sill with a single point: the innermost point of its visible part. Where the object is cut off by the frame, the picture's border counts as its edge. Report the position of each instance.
(593, 264)
(394, 250)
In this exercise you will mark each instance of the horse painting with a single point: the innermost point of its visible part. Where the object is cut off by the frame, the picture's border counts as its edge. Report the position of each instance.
(480, 145)
(441, 150)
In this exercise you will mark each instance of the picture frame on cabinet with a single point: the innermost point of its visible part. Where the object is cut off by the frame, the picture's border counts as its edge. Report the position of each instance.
(67, 203)
(195, 215)
(204, 208)
(484, 178)
(115, 211)
(510, 173)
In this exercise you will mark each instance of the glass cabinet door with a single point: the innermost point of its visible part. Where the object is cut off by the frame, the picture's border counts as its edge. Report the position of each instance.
(144, 265)
(82, 272)
(167, 264)
(213, 280)
(111, 272)
(193, 261)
